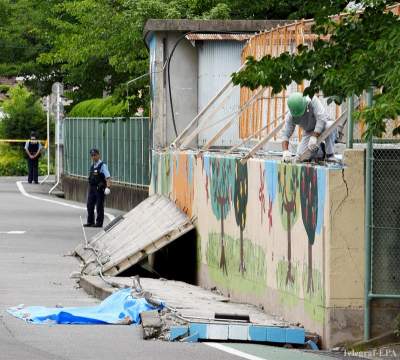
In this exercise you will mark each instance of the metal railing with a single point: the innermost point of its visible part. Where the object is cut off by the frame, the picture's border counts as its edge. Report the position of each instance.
(124, 144)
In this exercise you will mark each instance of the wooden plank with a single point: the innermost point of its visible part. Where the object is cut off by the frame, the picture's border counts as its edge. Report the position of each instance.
(262, 142)
(258, 93)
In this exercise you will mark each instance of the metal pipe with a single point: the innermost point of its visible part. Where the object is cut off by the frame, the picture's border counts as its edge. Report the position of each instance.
(350, 123)
(384, 296)
(367, 224)
(58, 139)
(48, 139)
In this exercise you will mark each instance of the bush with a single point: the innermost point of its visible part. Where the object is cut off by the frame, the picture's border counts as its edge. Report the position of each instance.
(14, 163)
(23, 113)
(106, 107)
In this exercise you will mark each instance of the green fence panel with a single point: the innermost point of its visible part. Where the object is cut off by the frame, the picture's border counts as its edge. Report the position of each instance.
(123, 143)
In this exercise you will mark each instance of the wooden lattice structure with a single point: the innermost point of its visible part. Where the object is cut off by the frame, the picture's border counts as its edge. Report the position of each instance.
(269, 109)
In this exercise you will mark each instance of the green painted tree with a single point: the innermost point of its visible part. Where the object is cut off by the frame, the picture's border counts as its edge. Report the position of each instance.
(221, 190)
(240, 203)
(309, 212)
(288, 197)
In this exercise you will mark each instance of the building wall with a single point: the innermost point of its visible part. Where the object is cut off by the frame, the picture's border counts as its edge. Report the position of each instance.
(183, 72)
(217, 61)
(274, 234)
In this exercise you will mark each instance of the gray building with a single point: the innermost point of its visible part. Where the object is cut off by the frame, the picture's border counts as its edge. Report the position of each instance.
(204, 55)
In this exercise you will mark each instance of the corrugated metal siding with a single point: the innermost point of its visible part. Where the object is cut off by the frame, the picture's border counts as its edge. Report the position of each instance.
(217, 61)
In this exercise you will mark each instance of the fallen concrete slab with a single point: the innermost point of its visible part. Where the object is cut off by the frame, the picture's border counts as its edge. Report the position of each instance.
(191, 301)
(189, 314)
(150, 226)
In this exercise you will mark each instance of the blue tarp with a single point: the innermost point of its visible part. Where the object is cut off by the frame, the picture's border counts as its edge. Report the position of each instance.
(116, 309)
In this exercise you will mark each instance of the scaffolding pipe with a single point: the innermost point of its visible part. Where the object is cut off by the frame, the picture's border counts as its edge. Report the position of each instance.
(368, 235)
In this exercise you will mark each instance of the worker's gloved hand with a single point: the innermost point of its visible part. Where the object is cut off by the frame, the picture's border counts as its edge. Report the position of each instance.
(107, 191)
(312, 144)
(286, 156)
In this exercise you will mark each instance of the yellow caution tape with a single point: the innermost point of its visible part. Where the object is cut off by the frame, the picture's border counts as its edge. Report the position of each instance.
(22, 141)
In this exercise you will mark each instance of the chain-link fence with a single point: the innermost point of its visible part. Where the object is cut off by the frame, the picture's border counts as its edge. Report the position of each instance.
(124, 144)
(385, 217)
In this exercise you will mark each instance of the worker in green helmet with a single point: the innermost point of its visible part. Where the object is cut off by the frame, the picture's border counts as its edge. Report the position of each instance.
(312, 117)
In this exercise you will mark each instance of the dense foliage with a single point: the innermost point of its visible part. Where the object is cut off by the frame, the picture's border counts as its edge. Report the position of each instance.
(362, 52)
(104, 107)
(94, 46)
(23, 114)
(13, 161)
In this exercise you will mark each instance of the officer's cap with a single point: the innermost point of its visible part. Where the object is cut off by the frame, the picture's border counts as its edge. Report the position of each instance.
(94, 151)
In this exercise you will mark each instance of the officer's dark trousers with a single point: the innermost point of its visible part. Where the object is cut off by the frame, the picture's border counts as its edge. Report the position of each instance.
(95, 199)
(33, 165)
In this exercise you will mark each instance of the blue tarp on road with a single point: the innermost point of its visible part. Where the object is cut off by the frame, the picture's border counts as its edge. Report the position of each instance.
(118, 308)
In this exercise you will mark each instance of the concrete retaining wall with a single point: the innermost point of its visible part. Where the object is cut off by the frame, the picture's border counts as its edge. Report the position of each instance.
(287, 237)
(122, 197)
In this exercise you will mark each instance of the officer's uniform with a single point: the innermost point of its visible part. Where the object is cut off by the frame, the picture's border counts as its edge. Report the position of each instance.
(97, 184)
(33, 164)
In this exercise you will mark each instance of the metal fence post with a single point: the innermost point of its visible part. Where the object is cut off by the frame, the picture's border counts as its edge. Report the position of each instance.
(368, 237)
(350, 123)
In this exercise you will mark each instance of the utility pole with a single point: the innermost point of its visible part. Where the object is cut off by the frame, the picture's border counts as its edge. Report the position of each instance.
(57, 92)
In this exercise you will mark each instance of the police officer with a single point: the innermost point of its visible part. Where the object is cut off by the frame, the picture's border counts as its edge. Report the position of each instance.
(33, 150)
(99, 186)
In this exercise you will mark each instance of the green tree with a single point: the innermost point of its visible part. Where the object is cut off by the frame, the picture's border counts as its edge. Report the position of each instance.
(24, 113)
(309, 212)
(25, 33)
(362, 51)
(288, 197)
(240, 198)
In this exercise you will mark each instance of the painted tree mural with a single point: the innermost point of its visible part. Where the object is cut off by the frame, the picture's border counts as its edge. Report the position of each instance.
(240, 204)
(288, 184)
(309, 212)
(221, 191)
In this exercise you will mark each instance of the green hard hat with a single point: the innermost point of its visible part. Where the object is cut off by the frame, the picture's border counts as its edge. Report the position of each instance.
(297, 104)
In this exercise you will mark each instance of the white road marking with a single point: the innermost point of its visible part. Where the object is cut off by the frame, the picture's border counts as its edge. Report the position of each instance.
(235, 352)
(23, 192)
(13, 232)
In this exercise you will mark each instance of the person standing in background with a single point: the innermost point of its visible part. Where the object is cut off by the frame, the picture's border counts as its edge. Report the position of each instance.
(33, 150)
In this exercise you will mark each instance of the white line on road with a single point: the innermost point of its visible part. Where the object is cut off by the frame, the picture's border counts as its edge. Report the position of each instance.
(13, 232)
(233, 351)
(23, 192)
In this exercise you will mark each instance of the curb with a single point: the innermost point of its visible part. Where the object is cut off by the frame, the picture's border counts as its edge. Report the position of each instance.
(95, 286)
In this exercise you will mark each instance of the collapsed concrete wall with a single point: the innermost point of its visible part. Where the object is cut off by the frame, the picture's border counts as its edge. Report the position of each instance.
(287, 237)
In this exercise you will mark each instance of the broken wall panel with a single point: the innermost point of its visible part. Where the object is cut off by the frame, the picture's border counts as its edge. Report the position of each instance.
(151, 225)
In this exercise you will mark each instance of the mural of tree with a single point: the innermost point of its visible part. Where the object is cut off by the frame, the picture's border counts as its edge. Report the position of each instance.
(240, 203)
(288, 184)
(221, 190)
(309, 212)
